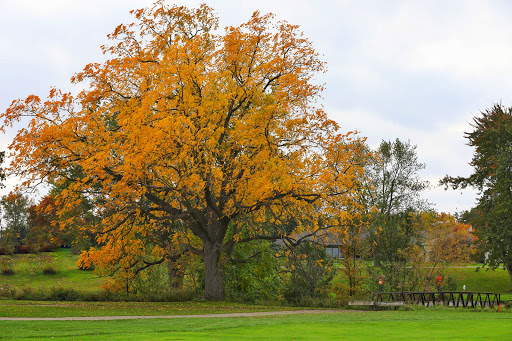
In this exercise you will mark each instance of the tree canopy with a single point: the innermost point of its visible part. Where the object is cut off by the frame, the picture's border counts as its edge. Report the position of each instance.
(492, 163)
(212, 136)
(394, 179)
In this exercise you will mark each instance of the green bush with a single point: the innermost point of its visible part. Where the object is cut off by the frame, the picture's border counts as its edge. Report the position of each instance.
(64, 294)
(177, 295)
(52, 294)
(8, 272)
(49, 271)
(7, 267)
(153, 281)
(449, 284)
(253, 274)
(30, 294)
(7, 291)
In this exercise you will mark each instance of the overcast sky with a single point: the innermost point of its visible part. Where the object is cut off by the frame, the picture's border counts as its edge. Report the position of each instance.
(414, 70)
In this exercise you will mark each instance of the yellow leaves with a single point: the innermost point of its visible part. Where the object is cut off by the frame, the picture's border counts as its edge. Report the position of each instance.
(84, 261)
(33, 99)
(236, 237)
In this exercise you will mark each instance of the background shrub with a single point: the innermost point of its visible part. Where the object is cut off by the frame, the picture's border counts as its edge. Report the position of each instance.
(64, 294)
(7, 267)
(310, 271)
(8, 272)
(49, 271)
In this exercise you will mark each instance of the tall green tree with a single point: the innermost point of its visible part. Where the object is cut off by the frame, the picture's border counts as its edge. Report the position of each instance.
(394, 188)
(14, 226)
(492, 177)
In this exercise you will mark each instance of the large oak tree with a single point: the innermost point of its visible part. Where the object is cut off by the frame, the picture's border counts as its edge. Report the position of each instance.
(214, 134)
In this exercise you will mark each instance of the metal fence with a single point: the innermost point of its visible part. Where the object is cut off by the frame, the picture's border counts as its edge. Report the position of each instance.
(445, 298)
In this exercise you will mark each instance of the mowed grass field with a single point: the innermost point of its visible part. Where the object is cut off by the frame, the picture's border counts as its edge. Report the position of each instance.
(372, 325)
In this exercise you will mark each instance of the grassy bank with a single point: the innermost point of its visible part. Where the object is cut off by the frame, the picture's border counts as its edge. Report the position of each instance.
(28, 272)
(14, 308)
(484, 280)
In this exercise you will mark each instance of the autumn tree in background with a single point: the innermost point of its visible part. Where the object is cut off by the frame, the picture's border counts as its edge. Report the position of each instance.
(28, 227)
(217, 132)
(453, 240)
(474, 218)
(492, 177)
(441, 242)
(43, 222)
(437, 242)
(351, 234)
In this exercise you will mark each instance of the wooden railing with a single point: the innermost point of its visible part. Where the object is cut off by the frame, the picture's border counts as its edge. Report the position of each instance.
(446, 298)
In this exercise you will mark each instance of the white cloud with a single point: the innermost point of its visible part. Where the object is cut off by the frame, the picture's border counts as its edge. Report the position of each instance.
(46, 9)
(466, 41)
(449, 200)
(361, 76)
(373, 125)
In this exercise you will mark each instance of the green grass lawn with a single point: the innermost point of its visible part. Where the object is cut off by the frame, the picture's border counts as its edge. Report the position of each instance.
(384, 325)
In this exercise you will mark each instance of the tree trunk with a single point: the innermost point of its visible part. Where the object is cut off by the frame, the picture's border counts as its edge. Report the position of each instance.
(213, 288)
(376, 259)
(175, 274)
(509, 269)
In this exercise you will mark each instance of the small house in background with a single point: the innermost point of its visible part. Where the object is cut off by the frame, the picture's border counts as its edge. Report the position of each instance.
(333, 251)
(332, 247)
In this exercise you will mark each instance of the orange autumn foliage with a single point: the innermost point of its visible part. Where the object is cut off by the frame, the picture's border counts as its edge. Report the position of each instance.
(450, 240)
(217, 131)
